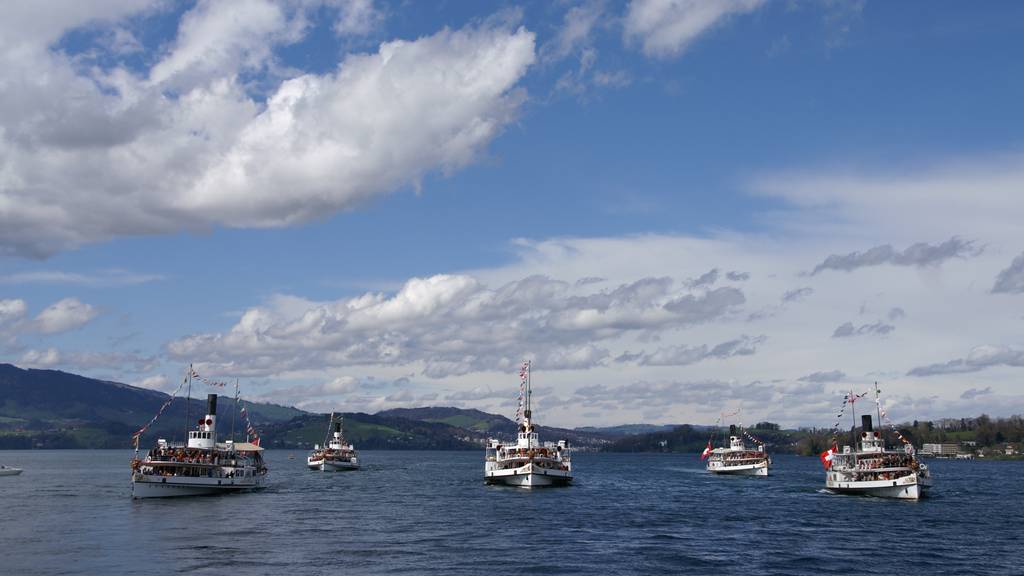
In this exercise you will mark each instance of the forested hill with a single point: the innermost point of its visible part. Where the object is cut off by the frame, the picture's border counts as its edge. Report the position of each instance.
(54, 409)
(978, 435)
(436, 428)
(687, 438)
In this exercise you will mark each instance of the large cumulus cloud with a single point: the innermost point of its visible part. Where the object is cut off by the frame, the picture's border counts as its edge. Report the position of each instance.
(89, 154)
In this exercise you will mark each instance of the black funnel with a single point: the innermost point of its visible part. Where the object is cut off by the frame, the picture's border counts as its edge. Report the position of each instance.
(337, 426)
(865, 422)
(732, 429)
(211, 404)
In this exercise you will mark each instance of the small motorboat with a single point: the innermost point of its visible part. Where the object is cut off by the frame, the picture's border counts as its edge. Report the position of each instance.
(8, 471)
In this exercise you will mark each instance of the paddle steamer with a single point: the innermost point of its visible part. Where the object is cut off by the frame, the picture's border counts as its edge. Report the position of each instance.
(737, 458)
(873, 470)
(527, 463)
(336, 454)
(199, 467)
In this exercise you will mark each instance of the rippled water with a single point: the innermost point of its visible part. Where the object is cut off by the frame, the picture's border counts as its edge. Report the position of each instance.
(429, 512)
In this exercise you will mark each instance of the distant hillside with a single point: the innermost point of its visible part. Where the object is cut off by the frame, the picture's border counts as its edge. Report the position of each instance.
(687, 438)
(627, 429)
(476, 423)
(373, 432)
(54, 409)
(469, 419)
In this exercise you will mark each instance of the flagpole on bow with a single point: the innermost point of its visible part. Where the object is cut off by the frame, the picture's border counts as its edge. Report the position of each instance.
(878, 406)
(529, 389)
(234, 412)
(188, 401)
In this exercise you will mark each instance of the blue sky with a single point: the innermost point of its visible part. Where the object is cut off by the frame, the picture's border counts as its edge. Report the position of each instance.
(148, 182)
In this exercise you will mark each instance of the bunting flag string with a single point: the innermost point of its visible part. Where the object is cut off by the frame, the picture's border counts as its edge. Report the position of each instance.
(208, 381)
(723, 416)
(524, 375)
(251, 434)
(751, 437)
(847, 400)
(885, 417)
(141, 431)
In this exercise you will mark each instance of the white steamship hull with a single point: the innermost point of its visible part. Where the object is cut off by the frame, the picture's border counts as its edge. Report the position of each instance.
(906, 488)
(144, 486)
(332, 466)
(528, 476)
(758, 469)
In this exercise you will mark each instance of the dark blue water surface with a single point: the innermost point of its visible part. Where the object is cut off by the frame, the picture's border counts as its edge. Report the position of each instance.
(70, 512)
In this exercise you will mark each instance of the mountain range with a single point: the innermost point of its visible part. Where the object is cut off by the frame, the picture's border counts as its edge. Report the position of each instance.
(55, 409)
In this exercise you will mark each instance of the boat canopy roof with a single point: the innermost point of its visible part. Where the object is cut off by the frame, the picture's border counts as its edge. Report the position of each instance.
(242, 447)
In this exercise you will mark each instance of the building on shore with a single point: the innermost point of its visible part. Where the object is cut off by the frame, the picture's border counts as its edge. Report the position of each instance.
(948, 450)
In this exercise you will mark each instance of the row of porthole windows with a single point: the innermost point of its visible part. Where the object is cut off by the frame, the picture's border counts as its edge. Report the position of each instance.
(205, 435)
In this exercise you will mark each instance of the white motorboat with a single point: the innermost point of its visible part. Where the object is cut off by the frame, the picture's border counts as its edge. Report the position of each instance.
(527, 462)
(336, 455)
(9, 471)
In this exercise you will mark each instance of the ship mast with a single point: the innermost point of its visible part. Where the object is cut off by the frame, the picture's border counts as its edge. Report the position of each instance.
(853, 414)
(878, 411)
(188, 401)
(327, 437)
(528, 412)
(529, 391)
(233, 412)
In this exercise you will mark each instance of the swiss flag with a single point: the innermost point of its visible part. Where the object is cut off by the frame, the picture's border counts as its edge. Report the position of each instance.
(826, 457)
(707, 451)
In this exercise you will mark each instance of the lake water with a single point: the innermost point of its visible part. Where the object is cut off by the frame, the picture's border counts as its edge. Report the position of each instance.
(70, 512)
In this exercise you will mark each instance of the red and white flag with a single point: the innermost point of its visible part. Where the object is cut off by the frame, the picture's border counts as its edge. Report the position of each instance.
(707, 452)
(826, 457)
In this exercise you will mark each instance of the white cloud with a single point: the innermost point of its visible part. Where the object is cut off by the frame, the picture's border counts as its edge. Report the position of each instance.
(103, 278)
(1011, 279)
(47, 358)
(468, 331)
(980, 358)
(976, 198)
(357, 17)
(830, 376)
(576, 30)
(666, 28)
(451, 325)
(216, 38)
(90, 155)
(847, 329)
(684, 355)
(156, 382)
(12, 310)
(920, 254)
(797, 294)
(63, 316)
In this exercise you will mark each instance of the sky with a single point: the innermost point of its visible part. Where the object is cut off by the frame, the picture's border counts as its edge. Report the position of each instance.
(674, 209)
